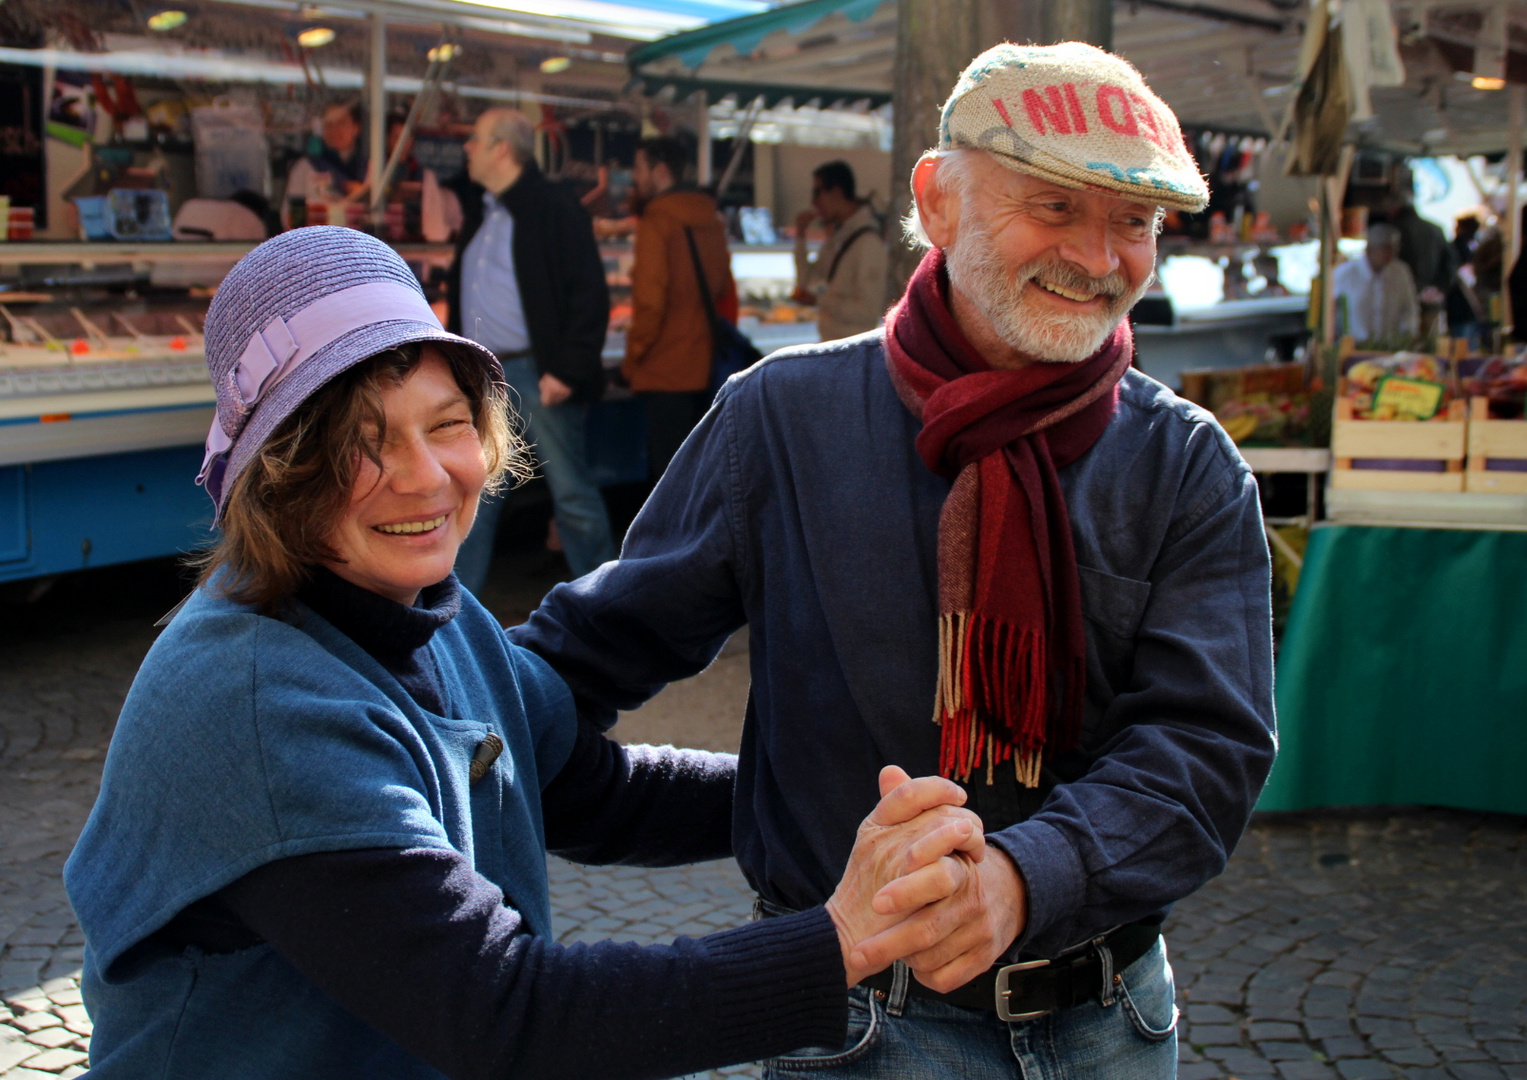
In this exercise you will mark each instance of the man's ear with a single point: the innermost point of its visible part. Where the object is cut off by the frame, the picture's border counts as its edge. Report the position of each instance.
(937, 205)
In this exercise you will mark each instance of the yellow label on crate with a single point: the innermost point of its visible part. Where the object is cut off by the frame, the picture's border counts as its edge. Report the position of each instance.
(1401, 396)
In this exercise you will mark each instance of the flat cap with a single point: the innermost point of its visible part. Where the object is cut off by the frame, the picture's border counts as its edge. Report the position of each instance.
(1076, 115)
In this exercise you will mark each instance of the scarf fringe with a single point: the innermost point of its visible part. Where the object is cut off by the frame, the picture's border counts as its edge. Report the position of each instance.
(991, 697)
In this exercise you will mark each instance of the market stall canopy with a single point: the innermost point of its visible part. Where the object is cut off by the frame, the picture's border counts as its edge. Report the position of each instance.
(636, 20)
(585, 42)
(1223, 65)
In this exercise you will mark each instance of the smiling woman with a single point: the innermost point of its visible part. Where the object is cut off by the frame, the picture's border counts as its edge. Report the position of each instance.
(406, 437)
(320, 845)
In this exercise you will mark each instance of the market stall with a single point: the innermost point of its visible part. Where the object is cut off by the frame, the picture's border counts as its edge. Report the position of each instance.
(1402, 677)
(147, 150)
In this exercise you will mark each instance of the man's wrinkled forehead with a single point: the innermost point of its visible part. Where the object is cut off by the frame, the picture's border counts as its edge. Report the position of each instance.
(1003, 176)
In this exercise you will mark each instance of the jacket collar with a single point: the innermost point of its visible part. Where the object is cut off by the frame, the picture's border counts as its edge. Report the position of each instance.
(530, 177)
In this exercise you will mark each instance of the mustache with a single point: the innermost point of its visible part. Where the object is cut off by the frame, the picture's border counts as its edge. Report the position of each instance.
(1050, 271)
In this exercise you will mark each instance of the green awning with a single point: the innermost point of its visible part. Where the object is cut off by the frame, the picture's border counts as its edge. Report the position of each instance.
(746, 32)
(824, 96)
(679, 60)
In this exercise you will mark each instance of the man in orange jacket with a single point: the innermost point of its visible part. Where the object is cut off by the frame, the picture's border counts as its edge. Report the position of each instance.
(669, 346)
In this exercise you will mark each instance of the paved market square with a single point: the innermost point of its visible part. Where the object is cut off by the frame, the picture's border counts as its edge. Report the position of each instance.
(1355, 945)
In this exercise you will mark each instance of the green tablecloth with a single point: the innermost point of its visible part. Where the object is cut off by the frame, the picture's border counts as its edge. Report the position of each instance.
(1402, 676)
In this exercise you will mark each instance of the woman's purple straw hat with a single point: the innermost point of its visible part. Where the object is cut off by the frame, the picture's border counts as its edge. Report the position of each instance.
(292, 314)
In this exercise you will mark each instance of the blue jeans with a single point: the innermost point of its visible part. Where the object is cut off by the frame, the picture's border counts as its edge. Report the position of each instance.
(556, 435)
(1135, 1038)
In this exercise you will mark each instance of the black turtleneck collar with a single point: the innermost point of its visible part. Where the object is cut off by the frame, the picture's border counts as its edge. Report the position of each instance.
(395, 634)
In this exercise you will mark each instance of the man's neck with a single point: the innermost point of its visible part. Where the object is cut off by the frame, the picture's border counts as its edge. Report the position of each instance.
(503, 181)
(979, 332)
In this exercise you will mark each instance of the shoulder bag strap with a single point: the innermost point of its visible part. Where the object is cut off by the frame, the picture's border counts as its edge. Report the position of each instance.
(705, 296)
(842, 251)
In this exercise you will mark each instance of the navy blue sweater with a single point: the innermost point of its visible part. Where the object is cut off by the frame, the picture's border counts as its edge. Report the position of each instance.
(425, 949)
(800, 507)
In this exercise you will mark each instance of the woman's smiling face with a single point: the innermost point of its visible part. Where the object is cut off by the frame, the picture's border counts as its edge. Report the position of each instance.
(407, 519)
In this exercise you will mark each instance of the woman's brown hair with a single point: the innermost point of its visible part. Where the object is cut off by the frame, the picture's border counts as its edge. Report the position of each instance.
(287, 501)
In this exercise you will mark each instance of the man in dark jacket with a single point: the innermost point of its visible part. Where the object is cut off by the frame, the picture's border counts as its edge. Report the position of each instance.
(985, 514)
(528, 282)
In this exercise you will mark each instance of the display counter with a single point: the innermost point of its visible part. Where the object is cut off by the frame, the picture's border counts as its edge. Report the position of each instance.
(1402, 675)
(1231, 333)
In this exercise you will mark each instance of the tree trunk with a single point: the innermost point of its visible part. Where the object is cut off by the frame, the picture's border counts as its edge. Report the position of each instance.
(935, 39)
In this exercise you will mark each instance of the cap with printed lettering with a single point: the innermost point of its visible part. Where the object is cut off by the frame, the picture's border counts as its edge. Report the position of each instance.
(1076, 115)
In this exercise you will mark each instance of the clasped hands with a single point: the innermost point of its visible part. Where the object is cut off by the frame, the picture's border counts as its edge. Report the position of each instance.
(922, 886)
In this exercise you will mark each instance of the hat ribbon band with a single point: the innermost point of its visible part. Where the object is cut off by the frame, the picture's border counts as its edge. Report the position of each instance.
(284, 344)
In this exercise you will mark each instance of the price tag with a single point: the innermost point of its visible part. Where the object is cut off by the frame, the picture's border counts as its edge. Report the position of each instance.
(1400, 395)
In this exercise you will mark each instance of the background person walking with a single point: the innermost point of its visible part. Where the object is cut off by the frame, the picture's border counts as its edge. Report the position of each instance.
(528, 283)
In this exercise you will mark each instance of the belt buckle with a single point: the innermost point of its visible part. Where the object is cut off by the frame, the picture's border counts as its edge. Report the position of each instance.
(1003, 993)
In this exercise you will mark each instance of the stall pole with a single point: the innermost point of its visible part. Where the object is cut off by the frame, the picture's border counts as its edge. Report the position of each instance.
(702, 138)
(432, 77)
(1513, 224)
(1333, 190)
(376, 106)
(740, 145)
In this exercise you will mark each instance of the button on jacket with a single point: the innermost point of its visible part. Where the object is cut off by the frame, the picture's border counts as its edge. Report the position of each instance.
(800, 507)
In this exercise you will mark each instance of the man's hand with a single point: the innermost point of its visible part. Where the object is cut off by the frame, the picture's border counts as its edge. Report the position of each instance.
(804, 220)
(903, 860)
(553, 390)
(989, 911)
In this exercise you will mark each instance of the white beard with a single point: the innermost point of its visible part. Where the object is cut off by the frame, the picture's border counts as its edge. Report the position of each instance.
(1005, 297)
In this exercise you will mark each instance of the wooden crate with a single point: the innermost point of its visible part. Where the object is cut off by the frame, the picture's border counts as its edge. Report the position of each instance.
(1441, 438)
(1494, 439)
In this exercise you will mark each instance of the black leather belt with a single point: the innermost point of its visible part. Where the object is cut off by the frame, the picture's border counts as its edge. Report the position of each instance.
(1032, 988)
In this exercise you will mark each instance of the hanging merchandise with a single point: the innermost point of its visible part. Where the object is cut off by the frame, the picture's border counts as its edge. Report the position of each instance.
(1323, 106)
(1371, 52)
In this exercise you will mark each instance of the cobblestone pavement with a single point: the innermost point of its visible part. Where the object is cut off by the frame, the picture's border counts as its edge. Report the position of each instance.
(1337, 946)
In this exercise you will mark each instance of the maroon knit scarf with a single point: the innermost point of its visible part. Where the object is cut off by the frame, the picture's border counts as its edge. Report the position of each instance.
(1012, 651)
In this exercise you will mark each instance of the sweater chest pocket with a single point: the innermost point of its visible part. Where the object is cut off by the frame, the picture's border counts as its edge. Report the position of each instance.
(1114, 607)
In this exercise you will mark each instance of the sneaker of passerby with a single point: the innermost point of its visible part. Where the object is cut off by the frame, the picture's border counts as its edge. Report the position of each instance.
(669, 344)
(847, 279)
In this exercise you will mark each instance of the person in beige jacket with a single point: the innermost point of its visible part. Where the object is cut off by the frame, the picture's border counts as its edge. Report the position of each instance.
(669, 345)
(847, 280)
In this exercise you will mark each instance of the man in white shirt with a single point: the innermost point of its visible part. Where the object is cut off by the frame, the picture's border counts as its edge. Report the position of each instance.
(847, 280)
(1376, 295)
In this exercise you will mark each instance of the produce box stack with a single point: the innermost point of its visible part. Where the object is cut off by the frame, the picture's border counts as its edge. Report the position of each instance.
(1263, 405)
(1497, 444)
(1399, 425)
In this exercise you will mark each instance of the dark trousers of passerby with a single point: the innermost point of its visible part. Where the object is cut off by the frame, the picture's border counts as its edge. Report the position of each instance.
(671, 416)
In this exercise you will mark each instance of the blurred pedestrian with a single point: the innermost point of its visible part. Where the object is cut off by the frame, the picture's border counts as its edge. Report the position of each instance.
(847, 280)
(669, 345)
(528, 282)
(338, 169)
(1465, 313)
(1423, 248)
(1378, 290)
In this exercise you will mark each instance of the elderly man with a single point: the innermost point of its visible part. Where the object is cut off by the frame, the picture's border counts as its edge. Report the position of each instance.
(986, 515)
(1377, 291)
(528, 282)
